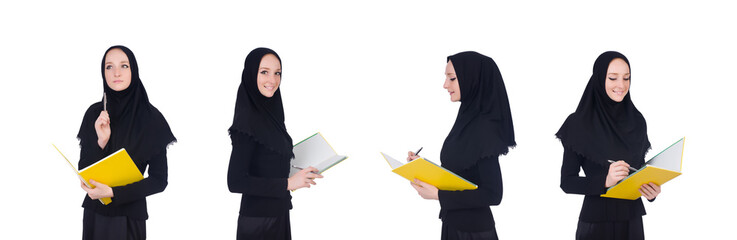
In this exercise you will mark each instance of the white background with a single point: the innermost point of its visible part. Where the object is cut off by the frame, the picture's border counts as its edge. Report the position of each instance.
(369, 77)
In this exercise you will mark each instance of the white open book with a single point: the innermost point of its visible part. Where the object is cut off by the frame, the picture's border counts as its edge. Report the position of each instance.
(316, 152)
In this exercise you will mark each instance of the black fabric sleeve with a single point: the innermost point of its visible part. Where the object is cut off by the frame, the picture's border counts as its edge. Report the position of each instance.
(489, 191)
(90, 151)
(155, 182)
(571, 182)
(240, 179)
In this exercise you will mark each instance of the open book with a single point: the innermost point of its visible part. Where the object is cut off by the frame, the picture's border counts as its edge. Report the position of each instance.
(316, 152)
(659, 170)
(115, 170)
(430, 173)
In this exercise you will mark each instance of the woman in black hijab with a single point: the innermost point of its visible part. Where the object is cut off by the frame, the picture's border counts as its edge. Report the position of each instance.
(262, 149)
(128, 121)
(606, 126)
(482, 131)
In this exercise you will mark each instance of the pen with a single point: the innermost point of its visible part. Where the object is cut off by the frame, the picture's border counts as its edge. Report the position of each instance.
(631, 168)
(295, 166)
(104, 101)
(418, 151)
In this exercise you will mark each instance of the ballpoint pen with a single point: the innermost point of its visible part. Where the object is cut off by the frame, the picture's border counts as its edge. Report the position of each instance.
(631, 168)
(418, 151)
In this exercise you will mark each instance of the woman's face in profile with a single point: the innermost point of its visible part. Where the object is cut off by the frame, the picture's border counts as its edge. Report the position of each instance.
(269, 75)
(617, 83)
(451, 83)
(117, 70)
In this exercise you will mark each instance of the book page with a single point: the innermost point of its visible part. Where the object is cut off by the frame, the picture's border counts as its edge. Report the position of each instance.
(314, 151)
(670, 158)
(393, 163)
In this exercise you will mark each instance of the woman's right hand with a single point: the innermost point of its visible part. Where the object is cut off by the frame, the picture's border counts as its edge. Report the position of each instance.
(411, 156)
(617, 171)
(102, 127)
(303, 178)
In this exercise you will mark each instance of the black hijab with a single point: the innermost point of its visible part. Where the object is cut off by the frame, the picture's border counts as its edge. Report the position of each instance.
(483, 126)
(257, 115)
(135, 124)
(602, 129)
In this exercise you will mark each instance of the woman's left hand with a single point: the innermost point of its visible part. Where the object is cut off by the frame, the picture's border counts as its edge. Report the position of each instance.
(650, 190)
(425, 190)
(100, 190)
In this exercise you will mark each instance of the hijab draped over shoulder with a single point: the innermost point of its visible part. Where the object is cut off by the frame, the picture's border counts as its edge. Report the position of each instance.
(135, 124)
(602, 129)
(259, 116)
(483, 127)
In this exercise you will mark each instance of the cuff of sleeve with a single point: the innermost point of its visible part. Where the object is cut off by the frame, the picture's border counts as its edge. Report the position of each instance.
(442, 197)
(652, 200)
(597, 185)
(285, 186)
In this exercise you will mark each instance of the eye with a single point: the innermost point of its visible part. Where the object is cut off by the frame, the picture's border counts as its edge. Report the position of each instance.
(453, 79)
(612, 78)
(627, 78)
(264, 72)
(278, 73)
(125, 66)
(108, 67)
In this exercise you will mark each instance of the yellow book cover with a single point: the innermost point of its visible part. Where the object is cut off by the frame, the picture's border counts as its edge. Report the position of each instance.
(115, 170)
(431, 173)
(659, 170)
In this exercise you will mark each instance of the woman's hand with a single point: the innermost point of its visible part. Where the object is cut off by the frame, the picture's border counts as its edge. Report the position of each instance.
(102, 127)
(650, 190)
(617, 171)
(425, 190)
(411, 156)
(303, 178)
(100, 190)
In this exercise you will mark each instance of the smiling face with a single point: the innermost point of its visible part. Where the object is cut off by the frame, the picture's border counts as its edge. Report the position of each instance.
(269, 75)
(451, 83)
(617, 83)
(117, 70)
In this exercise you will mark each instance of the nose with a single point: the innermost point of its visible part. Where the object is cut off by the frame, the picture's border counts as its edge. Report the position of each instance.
(116, 71)
(620, 83)
(446, 84)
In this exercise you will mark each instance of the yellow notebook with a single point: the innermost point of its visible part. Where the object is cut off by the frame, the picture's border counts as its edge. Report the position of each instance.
(429, 172)
(115, 170)
(659, 170)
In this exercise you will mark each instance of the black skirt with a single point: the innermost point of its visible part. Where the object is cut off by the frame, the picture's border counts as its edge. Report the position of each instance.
(450, 233)
(276, 228)
(96, 226)
(615, 230)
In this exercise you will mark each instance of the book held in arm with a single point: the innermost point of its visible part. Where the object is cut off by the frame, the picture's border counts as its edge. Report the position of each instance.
(115, 170)
(430, 173)
(660, 169)
(316, 152)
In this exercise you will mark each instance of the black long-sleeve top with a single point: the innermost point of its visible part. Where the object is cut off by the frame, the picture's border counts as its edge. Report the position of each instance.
(260, 175)
(595, 208)
(469, 210)
(128, 200)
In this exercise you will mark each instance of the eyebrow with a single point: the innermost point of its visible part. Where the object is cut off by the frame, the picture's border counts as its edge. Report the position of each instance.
(112, 62)
(267, 68)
